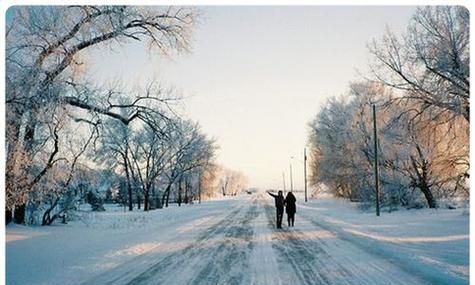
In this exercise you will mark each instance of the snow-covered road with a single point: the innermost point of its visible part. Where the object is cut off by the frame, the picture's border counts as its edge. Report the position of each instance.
(243, 247)
(217, 254)
(235, 242)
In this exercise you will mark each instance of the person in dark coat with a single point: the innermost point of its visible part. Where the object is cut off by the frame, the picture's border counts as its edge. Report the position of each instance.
(290, 207)
(279, 205)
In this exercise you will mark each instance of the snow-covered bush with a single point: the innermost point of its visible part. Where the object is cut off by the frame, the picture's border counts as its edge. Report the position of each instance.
(96, 202)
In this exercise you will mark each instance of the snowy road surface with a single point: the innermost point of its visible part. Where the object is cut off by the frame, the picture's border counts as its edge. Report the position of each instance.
(236, 243)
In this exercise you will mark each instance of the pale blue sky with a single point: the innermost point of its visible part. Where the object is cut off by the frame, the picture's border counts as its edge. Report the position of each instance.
(257, 75)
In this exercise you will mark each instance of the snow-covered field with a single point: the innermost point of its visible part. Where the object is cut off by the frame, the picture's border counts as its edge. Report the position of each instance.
(234, 241)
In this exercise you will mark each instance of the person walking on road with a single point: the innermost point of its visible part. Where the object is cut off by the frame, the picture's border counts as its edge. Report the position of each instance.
(279, 205)
(290, 207)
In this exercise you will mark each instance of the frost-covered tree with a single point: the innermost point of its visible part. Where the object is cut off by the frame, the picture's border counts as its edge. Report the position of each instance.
(433, 155)
(421, 90)
(44, 50)
(114, 151)
(150, 153)
(330, 152)
(430, 63)
(231, 182)
(427, 155)
(428, 67)
(192, 150)
(209, 181)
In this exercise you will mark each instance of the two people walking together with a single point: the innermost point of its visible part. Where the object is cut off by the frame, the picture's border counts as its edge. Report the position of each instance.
(290, 208)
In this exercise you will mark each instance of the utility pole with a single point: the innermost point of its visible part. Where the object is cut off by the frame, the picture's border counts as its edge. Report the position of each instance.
(291, 182)
(199, 189)
(283, 178)
(376, 176)
(305, 171)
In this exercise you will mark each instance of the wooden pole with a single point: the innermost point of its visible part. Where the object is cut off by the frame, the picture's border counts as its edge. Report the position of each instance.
(305, 171)
(376, 175)
(199, 189)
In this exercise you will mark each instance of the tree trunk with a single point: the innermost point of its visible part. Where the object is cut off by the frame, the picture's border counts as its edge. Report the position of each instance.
(13, 125)
(30, 129)
(466, 114)
(187, 186)
(199, 189)
(19, 214)
(28, 143)
(423, 181)
(425, 188)
(129, 185)
(129, 190)
(179, 193)
(146, 201)
(47, 219)
(428, 195)
(8, 216)
(166, 195)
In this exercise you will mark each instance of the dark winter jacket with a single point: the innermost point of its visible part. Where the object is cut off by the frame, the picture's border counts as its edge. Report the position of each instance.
(289, 201)
(279, 200)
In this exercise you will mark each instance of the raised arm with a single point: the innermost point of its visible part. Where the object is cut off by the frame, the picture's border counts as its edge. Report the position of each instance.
(273, 195)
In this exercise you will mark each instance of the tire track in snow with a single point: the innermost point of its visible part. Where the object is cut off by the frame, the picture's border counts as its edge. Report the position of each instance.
(135, 266)
(230, 255)
(393, 270)
(211, 258)
(264, 266)
(304, 257)
(311, 254)
(131, 267)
